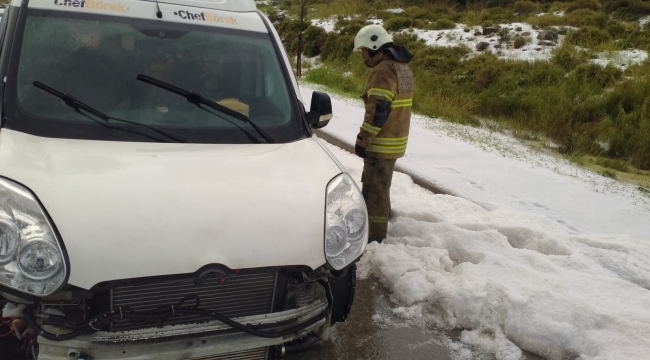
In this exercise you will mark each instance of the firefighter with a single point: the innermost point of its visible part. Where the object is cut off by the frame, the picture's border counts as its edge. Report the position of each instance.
(384, 132)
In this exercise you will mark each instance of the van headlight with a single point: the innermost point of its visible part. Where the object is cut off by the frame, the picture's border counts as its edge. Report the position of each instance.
(31, 256)
(346, 222)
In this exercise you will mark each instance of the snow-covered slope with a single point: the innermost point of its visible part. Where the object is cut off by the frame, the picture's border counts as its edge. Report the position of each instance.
(527, 258)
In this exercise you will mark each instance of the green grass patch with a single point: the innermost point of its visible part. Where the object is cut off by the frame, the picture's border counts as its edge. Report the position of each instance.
(634, 176)
(627, 9)
(325, 9)
(263, 8)
(526, 7)
(442, 24)
(333, 78)
(589, 37)
(608, 173)
(583, 4)
(614, 164)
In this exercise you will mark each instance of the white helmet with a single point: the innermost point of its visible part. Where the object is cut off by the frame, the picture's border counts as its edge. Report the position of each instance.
(371, 37)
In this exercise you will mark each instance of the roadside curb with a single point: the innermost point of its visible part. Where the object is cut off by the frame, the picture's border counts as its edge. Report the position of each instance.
(418, 180)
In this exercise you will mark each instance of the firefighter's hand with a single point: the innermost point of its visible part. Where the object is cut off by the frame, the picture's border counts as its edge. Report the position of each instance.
(360, 151)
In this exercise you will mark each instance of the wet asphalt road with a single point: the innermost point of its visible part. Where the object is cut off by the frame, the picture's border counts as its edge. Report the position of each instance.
(361, 338)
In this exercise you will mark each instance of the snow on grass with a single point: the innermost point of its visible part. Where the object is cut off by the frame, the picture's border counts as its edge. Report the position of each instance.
(515, 280)
(311, 63)
(644, 21)
(395, 10)
(621, 59)
(532, 51)
(375, 20)
(557, 13)
(564, 27)
(327, 24)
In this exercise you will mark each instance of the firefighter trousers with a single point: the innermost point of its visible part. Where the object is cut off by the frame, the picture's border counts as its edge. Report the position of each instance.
(376, 178)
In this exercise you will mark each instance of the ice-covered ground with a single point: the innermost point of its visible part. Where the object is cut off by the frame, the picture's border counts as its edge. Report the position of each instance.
(528, 258)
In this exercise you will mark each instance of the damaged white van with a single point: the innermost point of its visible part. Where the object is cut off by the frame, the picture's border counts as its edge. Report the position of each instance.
(161, 192)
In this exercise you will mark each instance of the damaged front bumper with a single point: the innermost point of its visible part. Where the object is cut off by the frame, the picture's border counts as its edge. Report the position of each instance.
(193, 341)
(300, 310)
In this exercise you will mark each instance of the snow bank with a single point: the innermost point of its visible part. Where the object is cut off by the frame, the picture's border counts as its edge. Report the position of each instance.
(516, 280)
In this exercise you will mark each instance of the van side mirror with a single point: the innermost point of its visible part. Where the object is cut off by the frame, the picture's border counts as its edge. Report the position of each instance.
(320, 112)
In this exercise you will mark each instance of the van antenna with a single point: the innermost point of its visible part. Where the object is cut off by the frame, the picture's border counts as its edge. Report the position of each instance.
(158, 13)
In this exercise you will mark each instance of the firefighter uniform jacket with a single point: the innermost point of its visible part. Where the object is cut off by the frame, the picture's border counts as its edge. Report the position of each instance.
(388, 98)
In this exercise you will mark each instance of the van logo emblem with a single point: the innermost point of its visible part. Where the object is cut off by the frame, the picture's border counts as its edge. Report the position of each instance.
(219, 271)
(207, 17)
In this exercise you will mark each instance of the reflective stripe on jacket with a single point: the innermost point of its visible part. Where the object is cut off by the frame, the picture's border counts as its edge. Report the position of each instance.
(388, 99)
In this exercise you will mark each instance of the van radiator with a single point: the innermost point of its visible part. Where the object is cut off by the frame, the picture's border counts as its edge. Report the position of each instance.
(235, 296)
(255, 354)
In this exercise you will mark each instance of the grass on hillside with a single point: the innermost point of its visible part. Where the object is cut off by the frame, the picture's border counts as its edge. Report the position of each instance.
(616, 170)
(577, 105)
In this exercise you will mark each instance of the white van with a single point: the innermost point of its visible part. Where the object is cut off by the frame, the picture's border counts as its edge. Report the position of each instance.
(161, 192)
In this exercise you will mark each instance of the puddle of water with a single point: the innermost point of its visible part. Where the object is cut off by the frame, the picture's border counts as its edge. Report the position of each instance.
(361, 337)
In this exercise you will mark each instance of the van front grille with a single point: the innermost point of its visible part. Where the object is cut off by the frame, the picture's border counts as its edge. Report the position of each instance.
(234, 296)
(254, 354)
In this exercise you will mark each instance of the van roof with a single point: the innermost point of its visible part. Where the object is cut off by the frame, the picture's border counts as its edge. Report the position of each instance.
(242, 13)
(227, 5)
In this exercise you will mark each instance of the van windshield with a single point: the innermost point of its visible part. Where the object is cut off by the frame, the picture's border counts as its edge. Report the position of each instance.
(96, 58)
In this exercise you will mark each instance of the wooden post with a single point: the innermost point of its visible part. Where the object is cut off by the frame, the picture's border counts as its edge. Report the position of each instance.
(303, 3)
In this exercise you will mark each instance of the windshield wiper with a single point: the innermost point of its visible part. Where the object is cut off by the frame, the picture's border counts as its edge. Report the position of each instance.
(198, 100)
(76, 104)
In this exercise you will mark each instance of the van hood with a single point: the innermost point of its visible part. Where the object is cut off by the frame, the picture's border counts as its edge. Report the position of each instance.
(128, 210)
